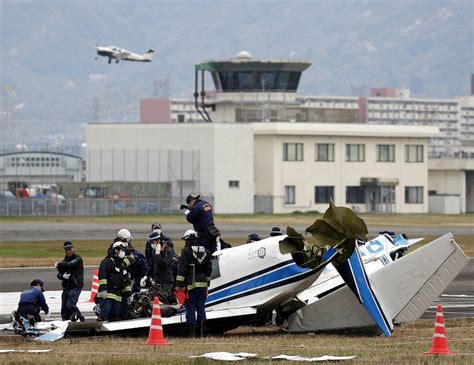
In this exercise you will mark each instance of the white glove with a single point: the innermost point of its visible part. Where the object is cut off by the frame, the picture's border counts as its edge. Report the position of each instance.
(186, 211)
(66, 275)
(143, 281)
(56, 264)
(158, 249)
(152, 282)
(102, 294)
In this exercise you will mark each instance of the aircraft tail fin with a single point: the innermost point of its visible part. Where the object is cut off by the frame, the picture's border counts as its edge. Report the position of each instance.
(353, 273)
(149, 55)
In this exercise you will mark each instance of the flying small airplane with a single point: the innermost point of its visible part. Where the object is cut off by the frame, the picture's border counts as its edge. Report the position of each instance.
(120, 54)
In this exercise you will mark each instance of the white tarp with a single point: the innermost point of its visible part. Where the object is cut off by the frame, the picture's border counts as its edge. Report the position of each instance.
(31, 351)
(228, 356)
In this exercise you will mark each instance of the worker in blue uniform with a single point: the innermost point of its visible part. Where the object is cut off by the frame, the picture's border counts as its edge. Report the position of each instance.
(32, 300)
(199, 213)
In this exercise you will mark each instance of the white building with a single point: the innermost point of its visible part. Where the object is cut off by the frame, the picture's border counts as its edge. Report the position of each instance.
(299, 166)
(429, 112)
(38, 167)
(140, 152)
(285, 166)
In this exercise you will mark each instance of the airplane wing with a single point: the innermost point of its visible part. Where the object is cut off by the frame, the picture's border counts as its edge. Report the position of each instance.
(121, 55)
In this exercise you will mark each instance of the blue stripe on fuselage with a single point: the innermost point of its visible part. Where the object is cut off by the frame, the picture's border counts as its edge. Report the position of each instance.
(280, 274)
(268, 278)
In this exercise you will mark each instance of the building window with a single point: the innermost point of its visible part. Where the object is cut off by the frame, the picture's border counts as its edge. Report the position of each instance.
(322, 194)
(292, 151)
(413, 194)
(289, 194)
(181, 118)
(324, 152)
(414, 153)
(234, 184)
(385, 153)
(355, 195)
(355, 152)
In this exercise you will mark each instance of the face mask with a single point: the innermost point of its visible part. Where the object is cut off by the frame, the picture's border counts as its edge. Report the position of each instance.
(157, 230)
(121, 254)
(153, 245)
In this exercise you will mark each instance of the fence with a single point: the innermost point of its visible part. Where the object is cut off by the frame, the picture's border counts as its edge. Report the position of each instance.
(89, 207)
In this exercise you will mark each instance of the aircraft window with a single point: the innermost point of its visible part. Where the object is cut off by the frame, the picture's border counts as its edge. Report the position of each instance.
(216, 272)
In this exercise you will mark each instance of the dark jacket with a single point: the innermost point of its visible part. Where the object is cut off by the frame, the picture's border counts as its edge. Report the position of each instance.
(113, 277)
(139, 268)
(200, 215)
(75, 267)
(35, 296)
(195, 267)
(160, 269)
(149, 249)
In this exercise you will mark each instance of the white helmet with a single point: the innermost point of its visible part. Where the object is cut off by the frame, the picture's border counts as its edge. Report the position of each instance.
(189, 233)
(118, 244)
(125, 235)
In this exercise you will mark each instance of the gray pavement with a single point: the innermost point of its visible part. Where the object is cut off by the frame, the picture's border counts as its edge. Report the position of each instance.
(21, 232)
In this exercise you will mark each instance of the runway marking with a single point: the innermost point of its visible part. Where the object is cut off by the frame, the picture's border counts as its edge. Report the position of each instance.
(37, 267)
(457, 295)
(449, 306)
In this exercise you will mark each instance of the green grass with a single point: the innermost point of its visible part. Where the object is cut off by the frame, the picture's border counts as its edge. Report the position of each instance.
(23, 254)
(406, 346)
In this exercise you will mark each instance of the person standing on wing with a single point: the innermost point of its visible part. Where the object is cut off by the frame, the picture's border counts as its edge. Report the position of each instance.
(199, 213)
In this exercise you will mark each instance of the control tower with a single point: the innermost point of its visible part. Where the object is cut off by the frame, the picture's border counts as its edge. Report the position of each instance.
(246, 89)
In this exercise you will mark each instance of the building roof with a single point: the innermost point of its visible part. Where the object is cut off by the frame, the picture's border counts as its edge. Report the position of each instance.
(39, 152)
(340, 129)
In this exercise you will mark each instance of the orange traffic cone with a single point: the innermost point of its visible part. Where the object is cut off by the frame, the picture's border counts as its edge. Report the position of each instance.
(95, 285)
(440, 342)
(155, 336)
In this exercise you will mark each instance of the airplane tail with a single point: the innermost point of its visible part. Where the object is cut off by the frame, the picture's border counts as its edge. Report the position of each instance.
(355, 276)
(149, 55)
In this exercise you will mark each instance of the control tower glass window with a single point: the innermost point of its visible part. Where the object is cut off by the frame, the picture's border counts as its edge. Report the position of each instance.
(257, 80)
(267, 80)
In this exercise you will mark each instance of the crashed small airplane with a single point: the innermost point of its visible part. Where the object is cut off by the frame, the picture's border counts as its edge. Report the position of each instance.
(120, 54)
(371, 283)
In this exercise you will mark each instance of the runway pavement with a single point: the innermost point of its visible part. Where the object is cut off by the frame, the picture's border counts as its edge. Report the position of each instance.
(21, 232)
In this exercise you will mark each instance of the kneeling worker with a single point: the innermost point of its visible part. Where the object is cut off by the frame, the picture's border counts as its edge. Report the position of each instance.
(32, 301)
(194, 273)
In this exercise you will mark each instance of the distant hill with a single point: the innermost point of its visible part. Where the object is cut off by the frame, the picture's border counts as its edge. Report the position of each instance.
(53, 86)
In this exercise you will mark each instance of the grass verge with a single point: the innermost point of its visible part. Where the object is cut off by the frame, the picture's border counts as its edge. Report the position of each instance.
(406, 346)
(37, 254)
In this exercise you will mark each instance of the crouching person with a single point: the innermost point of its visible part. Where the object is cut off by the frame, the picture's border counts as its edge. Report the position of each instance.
(112, 282)
(32, 301)
(194, 273)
